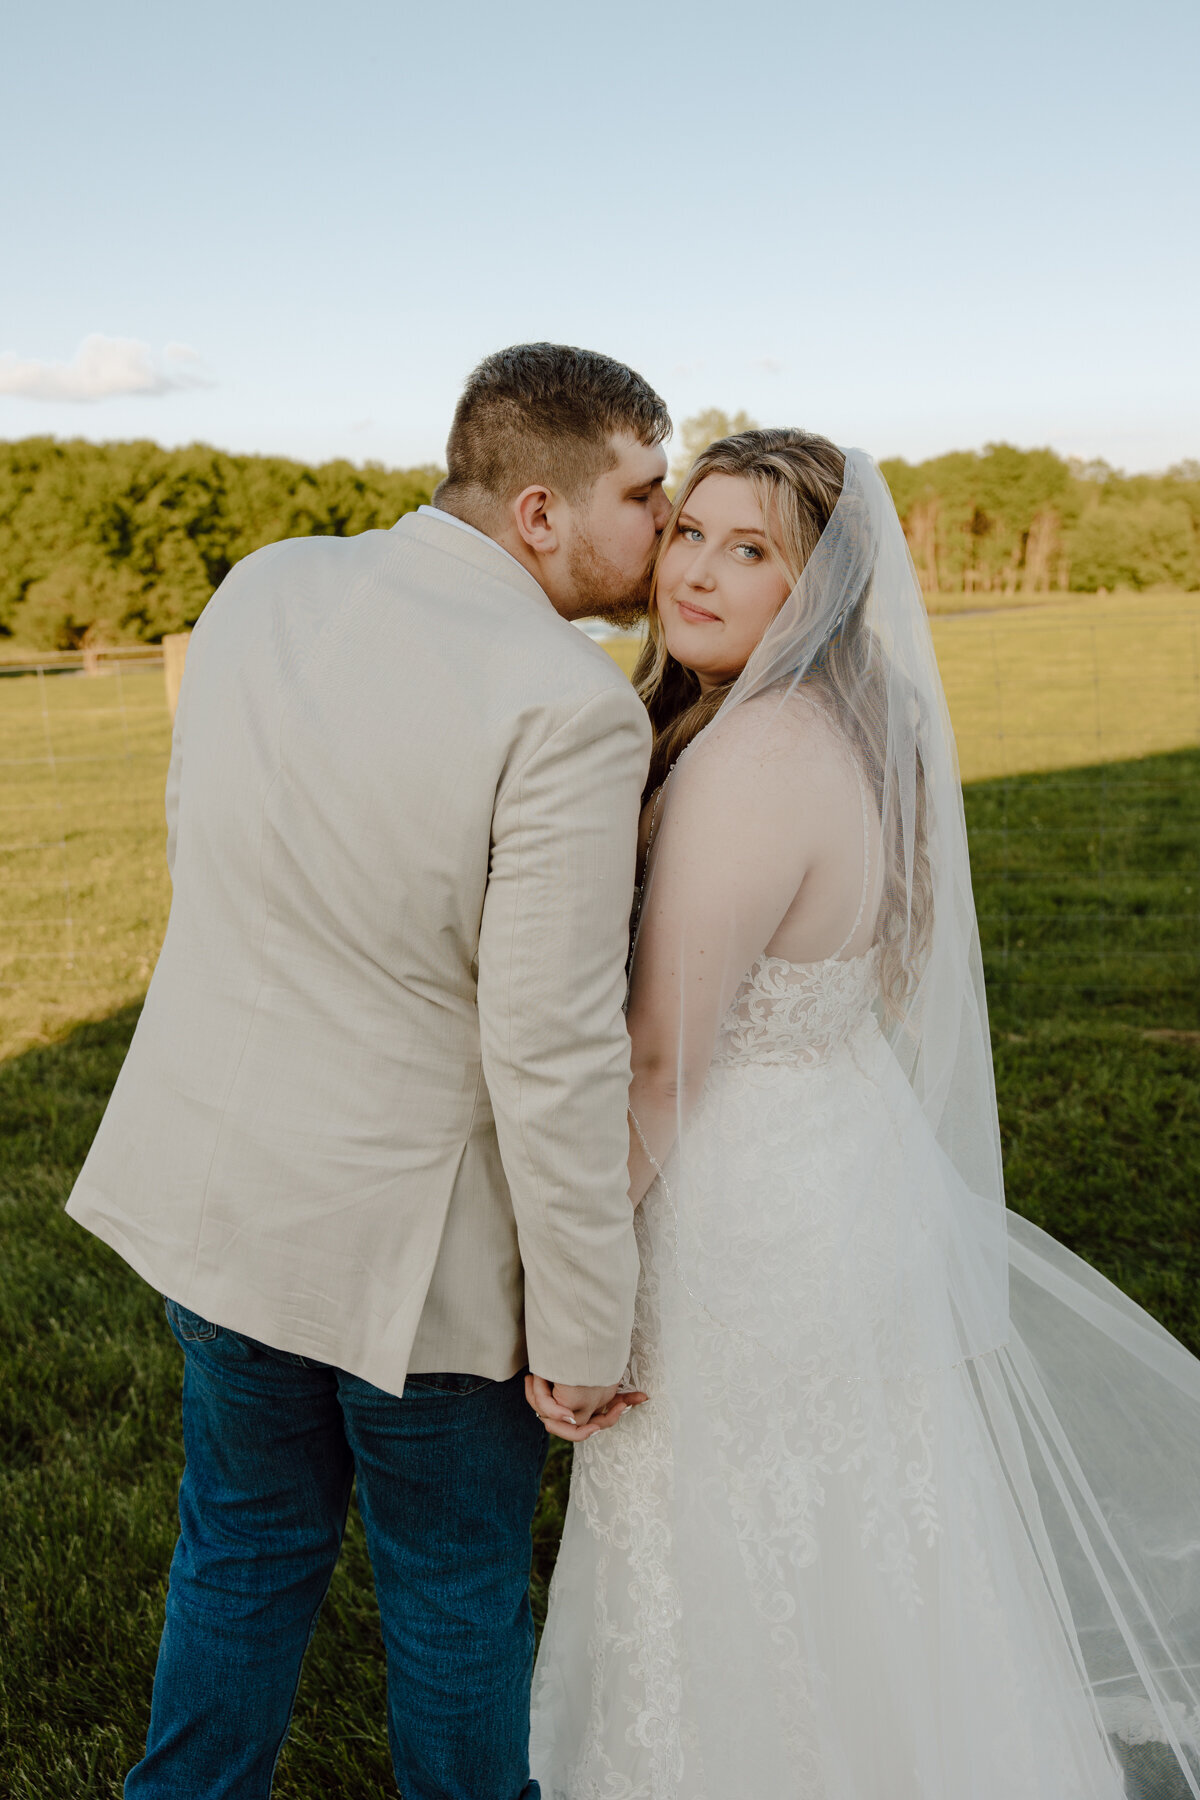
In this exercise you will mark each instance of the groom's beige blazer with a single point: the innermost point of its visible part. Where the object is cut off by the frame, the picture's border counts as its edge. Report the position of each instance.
(375, 1109)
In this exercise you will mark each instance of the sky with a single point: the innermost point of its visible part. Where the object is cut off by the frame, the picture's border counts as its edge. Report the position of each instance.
(295, 227)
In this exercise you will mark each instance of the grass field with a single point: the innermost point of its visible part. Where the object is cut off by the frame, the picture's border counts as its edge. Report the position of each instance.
(1067, 683)
(1071, 683)
(83, 884)
(1086, 880)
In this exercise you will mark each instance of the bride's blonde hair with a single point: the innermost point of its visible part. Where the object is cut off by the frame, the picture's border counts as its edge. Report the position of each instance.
(797, 478)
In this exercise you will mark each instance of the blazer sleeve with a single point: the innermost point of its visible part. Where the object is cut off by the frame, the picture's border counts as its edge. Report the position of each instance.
(551, 987)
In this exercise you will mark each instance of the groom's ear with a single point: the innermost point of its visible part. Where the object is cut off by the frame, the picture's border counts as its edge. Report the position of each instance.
(533, 513)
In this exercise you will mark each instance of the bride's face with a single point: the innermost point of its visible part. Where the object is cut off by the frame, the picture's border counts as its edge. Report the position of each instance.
(718, 585)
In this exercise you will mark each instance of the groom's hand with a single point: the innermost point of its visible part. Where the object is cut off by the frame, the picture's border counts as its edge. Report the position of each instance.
(576, 1413)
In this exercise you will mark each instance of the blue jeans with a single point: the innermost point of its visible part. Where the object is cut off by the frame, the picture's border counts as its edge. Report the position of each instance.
(447, 1480)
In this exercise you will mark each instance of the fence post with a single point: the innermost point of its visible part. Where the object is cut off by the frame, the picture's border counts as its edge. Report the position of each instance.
(174, 648)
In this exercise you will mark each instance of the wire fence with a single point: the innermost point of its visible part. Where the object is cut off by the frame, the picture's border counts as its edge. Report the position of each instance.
(1079, 739)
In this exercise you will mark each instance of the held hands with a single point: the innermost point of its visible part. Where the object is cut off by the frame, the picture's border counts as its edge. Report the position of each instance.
(576, 1413)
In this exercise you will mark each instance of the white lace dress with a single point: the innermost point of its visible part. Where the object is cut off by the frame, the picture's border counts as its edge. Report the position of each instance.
(797, 1572)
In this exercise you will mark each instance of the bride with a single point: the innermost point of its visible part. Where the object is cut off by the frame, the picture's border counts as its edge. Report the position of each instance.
(912, 1511)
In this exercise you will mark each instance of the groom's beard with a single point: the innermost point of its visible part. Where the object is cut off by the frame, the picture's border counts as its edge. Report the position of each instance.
(602, 592)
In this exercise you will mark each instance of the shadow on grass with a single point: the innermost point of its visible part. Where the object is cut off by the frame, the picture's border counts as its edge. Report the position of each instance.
(1100, 1150)
(1085, 881)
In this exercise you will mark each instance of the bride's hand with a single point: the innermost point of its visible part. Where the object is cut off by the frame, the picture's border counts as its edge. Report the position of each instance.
(578, 1413)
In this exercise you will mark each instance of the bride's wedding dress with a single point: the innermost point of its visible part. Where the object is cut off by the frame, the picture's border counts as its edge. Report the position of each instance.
(913, 1510)
(806, 1580)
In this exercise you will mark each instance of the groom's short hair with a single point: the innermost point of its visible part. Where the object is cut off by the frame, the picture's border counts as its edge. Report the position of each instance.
(543, 413)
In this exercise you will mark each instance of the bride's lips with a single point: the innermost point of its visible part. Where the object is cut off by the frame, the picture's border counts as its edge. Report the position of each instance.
(696, 613)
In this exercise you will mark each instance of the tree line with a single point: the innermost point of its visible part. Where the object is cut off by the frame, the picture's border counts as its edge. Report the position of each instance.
(1007, 520)
(125, 542)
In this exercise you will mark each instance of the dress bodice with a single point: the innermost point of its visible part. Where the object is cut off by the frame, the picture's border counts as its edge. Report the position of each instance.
(787, 1012)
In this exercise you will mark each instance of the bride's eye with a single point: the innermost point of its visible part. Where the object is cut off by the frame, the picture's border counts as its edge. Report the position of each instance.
(755, 554)
(692, 533)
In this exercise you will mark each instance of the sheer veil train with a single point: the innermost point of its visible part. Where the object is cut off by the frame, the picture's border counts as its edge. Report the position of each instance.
(914, 1511)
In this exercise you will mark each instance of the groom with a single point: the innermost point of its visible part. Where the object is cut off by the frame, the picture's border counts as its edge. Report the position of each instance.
(370, 1136)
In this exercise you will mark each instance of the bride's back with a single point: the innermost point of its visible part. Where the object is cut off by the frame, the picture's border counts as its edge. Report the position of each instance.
(784, 761)
(836, 821)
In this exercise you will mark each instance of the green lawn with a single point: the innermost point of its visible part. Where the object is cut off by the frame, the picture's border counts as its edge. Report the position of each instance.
(83, 882)
(1067, 683)
(1078, 681)
(1086, 880)
(1087, 883)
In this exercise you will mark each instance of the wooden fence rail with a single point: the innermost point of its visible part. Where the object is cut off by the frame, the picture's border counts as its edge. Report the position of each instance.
(174, 654)
(169, 656)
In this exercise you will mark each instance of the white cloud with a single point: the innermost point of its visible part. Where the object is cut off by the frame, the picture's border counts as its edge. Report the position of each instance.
(770, 365)
(104, 368)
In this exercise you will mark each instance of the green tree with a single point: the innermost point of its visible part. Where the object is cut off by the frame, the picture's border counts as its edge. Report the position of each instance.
(124, 542)
(698, 432)
(1003, 519)
(1134, 544)
(972, 515)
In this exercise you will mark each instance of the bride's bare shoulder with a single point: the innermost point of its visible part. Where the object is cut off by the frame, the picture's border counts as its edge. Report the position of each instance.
(783, 729)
